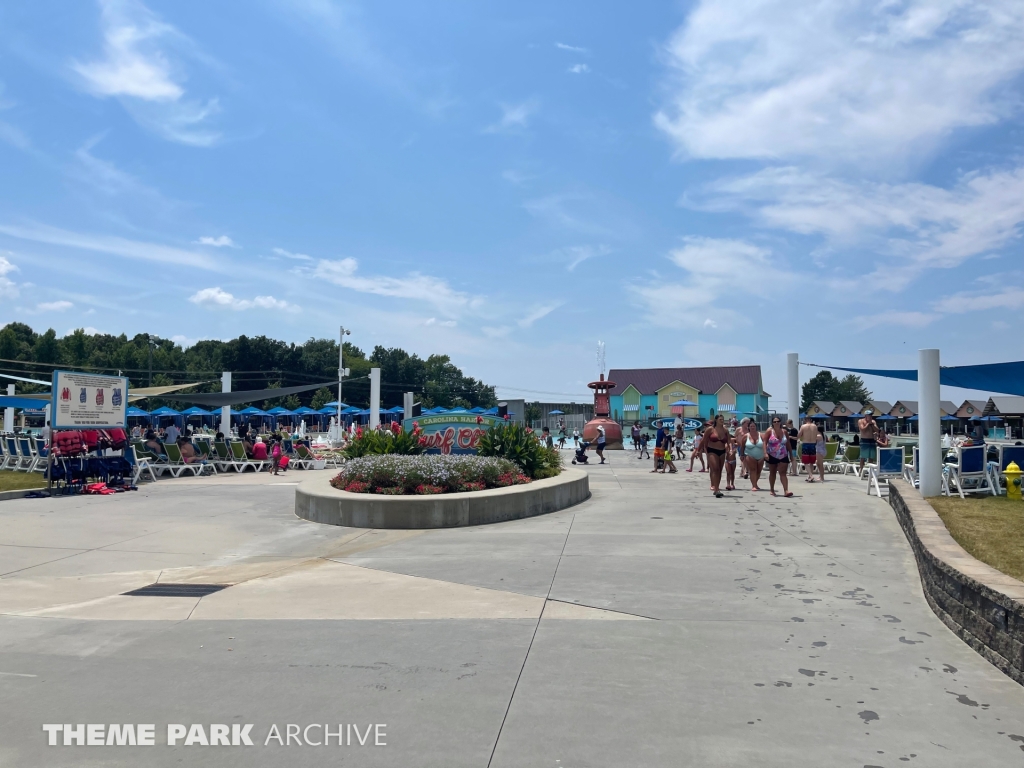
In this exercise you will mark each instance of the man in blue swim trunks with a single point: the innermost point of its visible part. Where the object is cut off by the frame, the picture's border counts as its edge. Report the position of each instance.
(868, 438)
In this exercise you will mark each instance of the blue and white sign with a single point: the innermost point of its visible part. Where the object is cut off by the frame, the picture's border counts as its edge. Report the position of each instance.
(88, 401)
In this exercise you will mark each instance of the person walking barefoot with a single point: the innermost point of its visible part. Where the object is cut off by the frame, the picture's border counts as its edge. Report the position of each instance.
(698, 451)
(793, 434)
(669, 464)
(777, 445)
(753, 452)
(819, 452)
(808, 437)
(730, 465)
(715, 438)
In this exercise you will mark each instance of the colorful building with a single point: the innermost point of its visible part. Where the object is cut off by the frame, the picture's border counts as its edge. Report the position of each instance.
(648, 393)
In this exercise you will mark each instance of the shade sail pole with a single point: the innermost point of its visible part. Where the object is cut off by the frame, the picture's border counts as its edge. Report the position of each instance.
(225, 411)
(793, 386)
(928, 424)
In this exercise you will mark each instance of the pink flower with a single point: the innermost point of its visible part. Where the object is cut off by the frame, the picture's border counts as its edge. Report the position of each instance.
(479, 419)
(415, 425)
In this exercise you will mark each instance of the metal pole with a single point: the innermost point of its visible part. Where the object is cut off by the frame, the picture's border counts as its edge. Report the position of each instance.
(374, 397)
(9, 412)
(793, 386)
(149, 343)
(341, 375)
(928, 424)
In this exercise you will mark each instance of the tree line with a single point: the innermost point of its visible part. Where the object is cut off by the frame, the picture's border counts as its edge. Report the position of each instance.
(824, 386)
(256, 362)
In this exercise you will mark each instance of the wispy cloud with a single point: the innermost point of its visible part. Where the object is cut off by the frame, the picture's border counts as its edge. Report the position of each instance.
(537, 313)
(573, 48)
(716, 268)
(290, 255)
(136, 67)
(87, 330)
(105, 176)
(921, 225)
(868, 83)
(574, 255)
(1010, 298)
(220, 299)
(908, 319)
(431, 290)
(53, 306)
(579, 69)
(8, 288)
(514, 117)
(110, 244)
(221, 241)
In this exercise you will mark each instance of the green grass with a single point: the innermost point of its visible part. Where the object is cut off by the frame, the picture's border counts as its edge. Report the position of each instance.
(16, 481)
(991, 528)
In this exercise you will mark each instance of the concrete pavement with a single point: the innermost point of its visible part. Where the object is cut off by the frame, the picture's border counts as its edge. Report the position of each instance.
(650, 626)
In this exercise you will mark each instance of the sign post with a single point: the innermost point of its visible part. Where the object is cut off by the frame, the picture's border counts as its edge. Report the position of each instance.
(85, 401)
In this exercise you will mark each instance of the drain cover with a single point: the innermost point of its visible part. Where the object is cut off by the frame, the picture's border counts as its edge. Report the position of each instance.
(177, 590)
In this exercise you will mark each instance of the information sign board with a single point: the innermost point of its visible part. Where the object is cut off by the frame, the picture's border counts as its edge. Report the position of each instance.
(88, 401)
(449, 433)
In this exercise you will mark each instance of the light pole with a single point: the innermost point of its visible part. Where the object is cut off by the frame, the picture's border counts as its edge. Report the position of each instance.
(341, 371)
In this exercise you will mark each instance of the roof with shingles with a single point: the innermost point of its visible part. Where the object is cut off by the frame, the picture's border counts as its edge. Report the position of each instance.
(1011, 404)
(745, 379)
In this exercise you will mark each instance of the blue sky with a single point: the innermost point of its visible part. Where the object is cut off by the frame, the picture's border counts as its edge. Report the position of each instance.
(692, 183)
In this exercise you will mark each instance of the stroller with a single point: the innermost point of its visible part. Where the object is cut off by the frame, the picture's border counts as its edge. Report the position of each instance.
(581, 453)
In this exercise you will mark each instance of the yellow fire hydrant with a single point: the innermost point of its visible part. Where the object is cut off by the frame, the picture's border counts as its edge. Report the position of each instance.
(1012, 474)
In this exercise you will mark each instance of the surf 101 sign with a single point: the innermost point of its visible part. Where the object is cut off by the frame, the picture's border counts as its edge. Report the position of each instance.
(449, 433)
(85, 400)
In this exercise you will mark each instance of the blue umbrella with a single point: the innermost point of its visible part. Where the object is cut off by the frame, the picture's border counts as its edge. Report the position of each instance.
(821, 416)
(252, 410)
(478, 409)
(303, 410)
(683, 403)
(280, 411)
(165, 411)
(556, 412)
(335, 405)
(885, 418)
(194, 411)
(133, 411)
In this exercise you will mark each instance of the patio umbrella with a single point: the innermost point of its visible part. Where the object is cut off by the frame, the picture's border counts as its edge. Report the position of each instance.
(683, 403)
(886, 417)
(133, 411)
(821, 416)
(556, 412)
(304, 410)
(478, 409)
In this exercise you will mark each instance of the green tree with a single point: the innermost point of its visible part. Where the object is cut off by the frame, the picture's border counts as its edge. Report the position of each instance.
(824, 386)
(321, 398)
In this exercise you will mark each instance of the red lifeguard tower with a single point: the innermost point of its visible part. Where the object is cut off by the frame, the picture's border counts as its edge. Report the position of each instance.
(602, 413)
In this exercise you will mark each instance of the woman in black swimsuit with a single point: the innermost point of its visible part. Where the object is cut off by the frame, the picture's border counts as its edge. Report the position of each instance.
(715, 441)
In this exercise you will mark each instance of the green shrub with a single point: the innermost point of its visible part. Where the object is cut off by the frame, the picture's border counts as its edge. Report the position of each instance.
(520, 445)
(375, 442)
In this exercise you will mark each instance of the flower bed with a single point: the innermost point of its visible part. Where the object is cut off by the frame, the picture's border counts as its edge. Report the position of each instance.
(392, 474)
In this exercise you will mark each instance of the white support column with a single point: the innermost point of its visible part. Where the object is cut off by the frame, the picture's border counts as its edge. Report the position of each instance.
(374, 397)
(793, 386)
(928, 423)
(9, 412)
(225, 411)
(408, 401)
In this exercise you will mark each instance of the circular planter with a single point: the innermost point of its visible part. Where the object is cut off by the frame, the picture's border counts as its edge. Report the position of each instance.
(320, 502)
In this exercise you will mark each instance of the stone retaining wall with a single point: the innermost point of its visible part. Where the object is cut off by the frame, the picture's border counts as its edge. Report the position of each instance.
(984, 607)
(317, 500)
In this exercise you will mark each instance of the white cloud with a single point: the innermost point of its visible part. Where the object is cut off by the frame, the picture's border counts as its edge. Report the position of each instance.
(88, 331)
(137, 69)
(107, 177)
(219, 298)
(223, 241)
(573, 48)
(716, 268)
(575, 255)
(53, 306)
(513, 117)
(579, 69)
(536, 313)
(442, 323)
(416, 286)
(845, 81)
(909, 319)
(924, 226)
(1011, 298)
(110, 244)
(290, 255)
(184, 341)
(8, 288)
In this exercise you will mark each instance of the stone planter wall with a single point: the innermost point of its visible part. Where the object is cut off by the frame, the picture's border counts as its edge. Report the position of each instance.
(984, 607)
(317, 500)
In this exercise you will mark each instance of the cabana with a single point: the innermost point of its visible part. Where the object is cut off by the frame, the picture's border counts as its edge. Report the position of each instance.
(163, 412)
(195, 412)
(280, 412)
(137, 413)
(247, 414)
